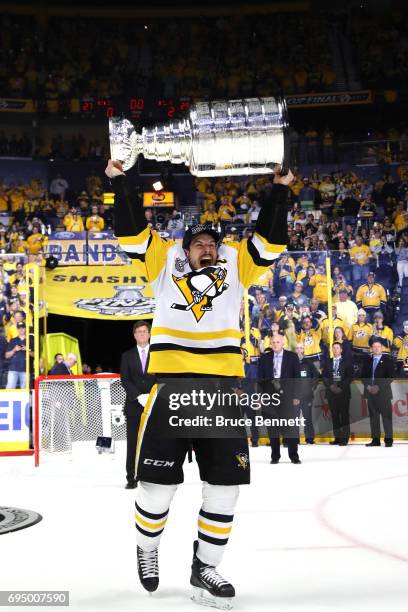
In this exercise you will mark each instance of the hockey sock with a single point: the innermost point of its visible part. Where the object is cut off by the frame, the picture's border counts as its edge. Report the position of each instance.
(151, 510)
(215, 521)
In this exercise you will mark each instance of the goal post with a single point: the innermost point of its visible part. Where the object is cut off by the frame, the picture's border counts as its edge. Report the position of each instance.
(77, 408)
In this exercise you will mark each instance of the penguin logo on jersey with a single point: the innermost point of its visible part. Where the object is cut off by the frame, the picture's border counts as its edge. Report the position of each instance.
(200, 288)
(243, 460)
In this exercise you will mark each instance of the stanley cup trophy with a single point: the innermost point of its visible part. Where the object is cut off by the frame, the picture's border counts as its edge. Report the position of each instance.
(220, 138)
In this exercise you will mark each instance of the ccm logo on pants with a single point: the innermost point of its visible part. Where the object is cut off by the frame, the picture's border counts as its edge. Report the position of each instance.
(158, 463)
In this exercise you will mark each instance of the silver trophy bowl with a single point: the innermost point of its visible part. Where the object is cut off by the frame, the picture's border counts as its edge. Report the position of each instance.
(220, 138)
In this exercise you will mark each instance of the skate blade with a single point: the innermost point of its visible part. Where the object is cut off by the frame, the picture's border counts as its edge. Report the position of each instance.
(204, 598)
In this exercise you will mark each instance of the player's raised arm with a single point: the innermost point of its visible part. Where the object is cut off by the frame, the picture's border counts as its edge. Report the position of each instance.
(271, 232)
(131, 228)
(130, 219)
(272, 222)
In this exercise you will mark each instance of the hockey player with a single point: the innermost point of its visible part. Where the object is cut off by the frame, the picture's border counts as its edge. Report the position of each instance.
(198, 286)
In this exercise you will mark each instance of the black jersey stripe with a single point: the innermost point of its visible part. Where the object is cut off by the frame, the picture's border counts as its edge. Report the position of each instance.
(256, 258)
(150, 515)
(150, 534)
(167, 346)
(140, 256)
(210, 540)
(219, 518)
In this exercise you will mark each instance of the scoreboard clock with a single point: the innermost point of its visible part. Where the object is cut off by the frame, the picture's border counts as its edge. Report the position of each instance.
(134, 107)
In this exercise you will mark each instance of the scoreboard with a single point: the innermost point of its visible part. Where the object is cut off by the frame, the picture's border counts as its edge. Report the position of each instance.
(134, 108)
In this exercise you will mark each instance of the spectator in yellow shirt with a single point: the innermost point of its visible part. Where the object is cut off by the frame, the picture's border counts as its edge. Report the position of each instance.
(296, 186)
(4, 201)
(319, 283)
(400, 218)
(337, 322)
(280, 309)
(20, 245)
(208, 198)
(327, 187)
(340, 283)
(401, 344)
(359, 335)
(243, 202)
(285, 269)
(226, 198)
(10, 322)
(360, 258)
(16, 197)
(376, 242)
(210, 216)
(202, 184)
(310, 338)
(35, 241)
(73, 221)
(94, 223)
(382, 333)
(68, 217)
(253, 350)
(226, 212)
(371, 296)
(18, 275)
(275, 330)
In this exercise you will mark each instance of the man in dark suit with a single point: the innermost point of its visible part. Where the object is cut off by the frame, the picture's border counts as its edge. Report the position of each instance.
(137, 384)
(337, 376)
(377, 374)
(279, 372)
(62, 367)
(309, 377)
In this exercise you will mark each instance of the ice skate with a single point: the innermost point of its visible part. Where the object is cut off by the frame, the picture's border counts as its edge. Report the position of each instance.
(148, 568)
(210, 589)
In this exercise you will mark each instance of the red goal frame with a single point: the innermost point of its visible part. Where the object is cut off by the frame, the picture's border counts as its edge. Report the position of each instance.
(36, 412)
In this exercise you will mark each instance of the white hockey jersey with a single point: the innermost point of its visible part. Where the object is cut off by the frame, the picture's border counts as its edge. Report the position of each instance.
(196, 322)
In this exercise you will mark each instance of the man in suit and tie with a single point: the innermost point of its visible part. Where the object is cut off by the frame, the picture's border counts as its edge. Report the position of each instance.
(279, 372)
(377, 374)
(337, 376)
(137, 384)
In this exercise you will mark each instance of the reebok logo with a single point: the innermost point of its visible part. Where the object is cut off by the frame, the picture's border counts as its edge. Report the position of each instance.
(158, 463)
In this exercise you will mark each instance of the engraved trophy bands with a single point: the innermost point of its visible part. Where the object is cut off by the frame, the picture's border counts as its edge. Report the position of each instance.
(220, 138)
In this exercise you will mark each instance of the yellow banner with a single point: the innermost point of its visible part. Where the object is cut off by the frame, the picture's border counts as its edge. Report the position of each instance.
(112, 292)
(158, 198)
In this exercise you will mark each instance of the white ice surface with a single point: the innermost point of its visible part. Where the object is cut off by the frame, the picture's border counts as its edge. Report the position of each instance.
(330, 534)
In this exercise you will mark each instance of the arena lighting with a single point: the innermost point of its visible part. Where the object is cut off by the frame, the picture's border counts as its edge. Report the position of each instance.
(158, 186)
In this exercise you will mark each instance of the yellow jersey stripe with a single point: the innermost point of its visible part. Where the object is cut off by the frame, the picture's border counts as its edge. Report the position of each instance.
(213, 528)
(176, 362)
(178, 333)
(149, 525)
(143, 422)
(135, 240)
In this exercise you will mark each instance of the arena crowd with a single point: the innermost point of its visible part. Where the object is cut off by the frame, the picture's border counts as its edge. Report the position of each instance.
(361, 225)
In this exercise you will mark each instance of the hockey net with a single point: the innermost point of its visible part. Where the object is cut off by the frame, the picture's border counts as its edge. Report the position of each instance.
(78, 409)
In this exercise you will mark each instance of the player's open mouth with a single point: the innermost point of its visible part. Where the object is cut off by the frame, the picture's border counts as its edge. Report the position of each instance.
(206, 261)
